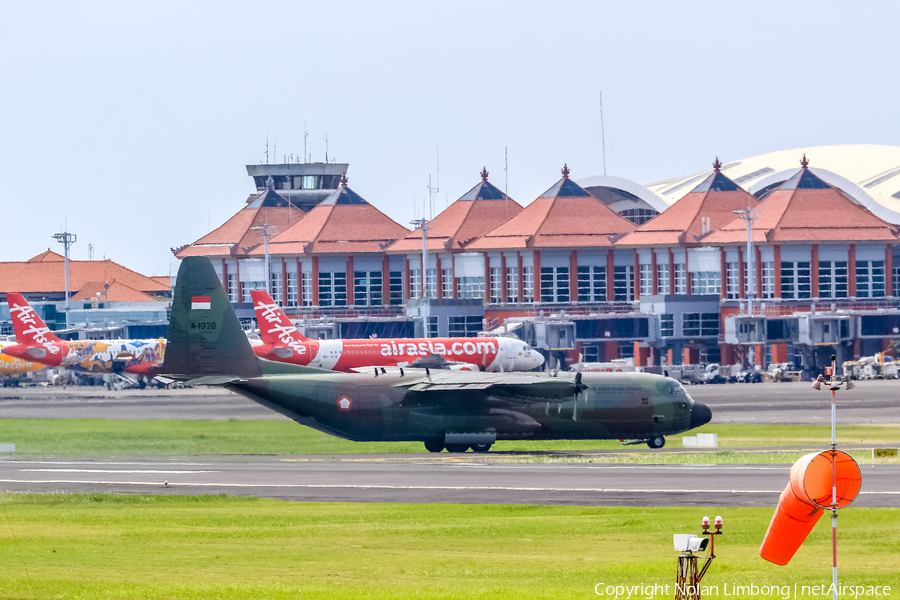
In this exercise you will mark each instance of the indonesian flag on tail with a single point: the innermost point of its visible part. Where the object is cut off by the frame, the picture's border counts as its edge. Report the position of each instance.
(200, 303)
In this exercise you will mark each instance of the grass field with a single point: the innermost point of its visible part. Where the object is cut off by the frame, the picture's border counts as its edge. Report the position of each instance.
(108, 546)
(106, 437)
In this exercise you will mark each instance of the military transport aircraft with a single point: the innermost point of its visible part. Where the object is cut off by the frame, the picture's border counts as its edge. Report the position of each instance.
(35, 342)
(455, 410)
(283, 343)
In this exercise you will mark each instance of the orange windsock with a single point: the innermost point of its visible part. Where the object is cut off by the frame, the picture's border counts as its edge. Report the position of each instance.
(801, 502)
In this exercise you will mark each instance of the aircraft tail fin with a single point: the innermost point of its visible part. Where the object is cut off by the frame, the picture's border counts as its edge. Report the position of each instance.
(205, 336)
(274, 326)
(29, 327)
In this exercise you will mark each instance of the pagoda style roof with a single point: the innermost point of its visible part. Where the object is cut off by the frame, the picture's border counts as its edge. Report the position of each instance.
(715, 198)
(237, 236)
(565, 216)
(807, 209)
(475, 213)
(343, 223)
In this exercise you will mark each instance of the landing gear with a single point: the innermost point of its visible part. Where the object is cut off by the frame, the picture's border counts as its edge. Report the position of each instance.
(481, 447)
(434, 445)
(457, 447)
(656, 441)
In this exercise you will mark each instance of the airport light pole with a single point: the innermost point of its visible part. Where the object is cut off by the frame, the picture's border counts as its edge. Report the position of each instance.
(267, 231)
(66, 239)
(750, 214)
(423, 224)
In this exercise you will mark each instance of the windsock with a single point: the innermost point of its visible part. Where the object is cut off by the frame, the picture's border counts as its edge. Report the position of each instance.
(802, 501)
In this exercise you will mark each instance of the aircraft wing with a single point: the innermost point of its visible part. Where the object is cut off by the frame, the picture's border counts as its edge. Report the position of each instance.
(523, 389)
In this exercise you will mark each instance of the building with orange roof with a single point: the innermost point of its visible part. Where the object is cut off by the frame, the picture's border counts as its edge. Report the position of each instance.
(679, 274)
(43, 277)
(338, 251)
(448, 236)
(130, 305)
(824, 274)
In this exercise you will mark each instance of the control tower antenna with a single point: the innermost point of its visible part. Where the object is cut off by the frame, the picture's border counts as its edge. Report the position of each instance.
(305, 135)
(602, 133)
(326, 148)
(267, 147)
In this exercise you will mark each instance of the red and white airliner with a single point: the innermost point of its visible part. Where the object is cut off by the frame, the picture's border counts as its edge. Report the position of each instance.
(282, 342)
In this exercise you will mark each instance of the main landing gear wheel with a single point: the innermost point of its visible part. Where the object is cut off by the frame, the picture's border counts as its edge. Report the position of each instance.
(434, 445)
(656, 442)
(457, 447)
(481, 447)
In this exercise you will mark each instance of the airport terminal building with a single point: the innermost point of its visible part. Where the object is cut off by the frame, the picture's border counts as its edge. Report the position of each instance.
(600, 267)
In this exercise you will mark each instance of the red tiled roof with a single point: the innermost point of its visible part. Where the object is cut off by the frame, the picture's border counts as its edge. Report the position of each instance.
(117, 292)
(462, 222)
(334, 226)
(794, 214)
(681, 223)
(164, 280)
(49, 276)
(576, 219)
(48, 256)
(237, 235)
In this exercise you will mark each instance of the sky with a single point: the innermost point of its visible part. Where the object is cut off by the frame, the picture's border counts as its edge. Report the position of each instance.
(131, 123)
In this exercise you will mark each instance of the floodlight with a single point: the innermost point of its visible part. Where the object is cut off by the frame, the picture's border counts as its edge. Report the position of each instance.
(687, 542)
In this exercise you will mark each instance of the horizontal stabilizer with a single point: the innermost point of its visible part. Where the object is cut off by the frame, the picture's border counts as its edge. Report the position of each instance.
(213, 380)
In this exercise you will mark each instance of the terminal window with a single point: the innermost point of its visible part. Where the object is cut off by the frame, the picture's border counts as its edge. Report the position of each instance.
(468, 326)
(662, 278)
(869, 278)
(554, 284)
(591, 284)
(795, 280)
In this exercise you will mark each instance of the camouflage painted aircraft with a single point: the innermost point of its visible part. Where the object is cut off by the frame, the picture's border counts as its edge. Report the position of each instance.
(36, 343)
(456, 410)
(283, 343)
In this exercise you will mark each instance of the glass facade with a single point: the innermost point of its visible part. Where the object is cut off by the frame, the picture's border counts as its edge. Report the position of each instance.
(367, 288)
(833, 279)
(869, 278)
(512, 284)
(333, 288)
(591, 284)
(554, 284)
(795, 280)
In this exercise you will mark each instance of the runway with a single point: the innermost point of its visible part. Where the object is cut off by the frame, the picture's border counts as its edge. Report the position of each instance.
(418, 479)
(495, 478)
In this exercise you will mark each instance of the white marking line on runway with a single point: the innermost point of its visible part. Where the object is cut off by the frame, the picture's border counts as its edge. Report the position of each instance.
(418, 487)
(160, 472)
(101, 463)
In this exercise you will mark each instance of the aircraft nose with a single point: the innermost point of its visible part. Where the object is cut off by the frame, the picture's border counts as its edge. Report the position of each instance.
(700, 415)
(538, 358)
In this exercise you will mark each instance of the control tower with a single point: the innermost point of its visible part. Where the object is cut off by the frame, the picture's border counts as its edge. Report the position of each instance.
(303, 184)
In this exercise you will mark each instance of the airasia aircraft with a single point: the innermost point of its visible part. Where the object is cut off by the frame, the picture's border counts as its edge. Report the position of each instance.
(283, 343)
(35, 342)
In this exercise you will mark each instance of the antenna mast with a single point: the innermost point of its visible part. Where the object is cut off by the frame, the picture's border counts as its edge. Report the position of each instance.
(506, 175)
(602, 133)
(432, 191)
(305, 135)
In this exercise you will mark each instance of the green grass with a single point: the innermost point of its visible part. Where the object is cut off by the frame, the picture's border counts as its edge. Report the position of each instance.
(75, 437)
(131, 546)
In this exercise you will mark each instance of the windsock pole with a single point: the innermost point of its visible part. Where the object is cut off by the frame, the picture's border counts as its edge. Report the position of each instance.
(834, 502)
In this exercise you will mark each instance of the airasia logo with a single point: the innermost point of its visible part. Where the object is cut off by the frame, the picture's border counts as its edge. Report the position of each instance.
(272, 315)
(344, 403)
(27, 316)
(398, 348)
